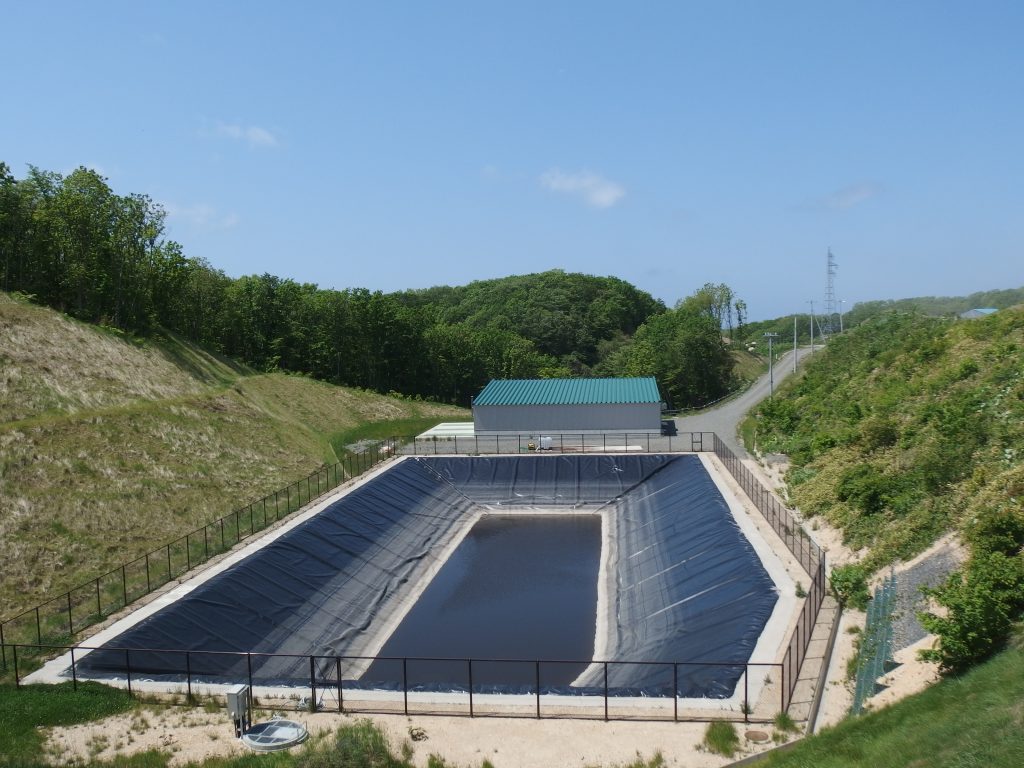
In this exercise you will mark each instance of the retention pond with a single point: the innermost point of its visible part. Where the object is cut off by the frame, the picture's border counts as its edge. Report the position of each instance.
(517, 587)
(633, 561)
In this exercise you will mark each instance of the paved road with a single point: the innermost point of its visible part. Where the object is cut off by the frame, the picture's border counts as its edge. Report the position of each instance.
(725, 419)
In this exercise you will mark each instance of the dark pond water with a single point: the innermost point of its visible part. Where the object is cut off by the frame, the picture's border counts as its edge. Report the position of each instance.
(517, 587)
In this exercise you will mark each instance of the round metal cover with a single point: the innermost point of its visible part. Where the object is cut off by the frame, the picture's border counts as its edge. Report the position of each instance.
(275, 735)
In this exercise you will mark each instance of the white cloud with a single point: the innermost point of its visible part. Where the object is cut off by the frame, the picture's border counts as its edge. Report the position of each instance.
(593, 188)
(201, 216)
(852, 195)
(253, 135)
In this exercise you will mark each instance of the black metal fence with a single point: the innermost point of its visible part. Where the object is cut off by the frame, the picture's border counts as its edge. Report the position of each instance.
(807, 553)
(54, 622)
(58, 620)
(568, 442)
(459, 679)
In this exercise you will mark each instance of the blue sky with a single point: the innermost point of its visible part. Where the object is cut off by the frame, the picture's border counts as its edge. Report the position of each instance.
(394, 145)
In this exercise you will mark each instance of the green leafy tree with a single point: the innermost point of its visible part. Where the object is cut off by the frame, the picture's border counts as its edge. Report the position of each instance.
(981, 605)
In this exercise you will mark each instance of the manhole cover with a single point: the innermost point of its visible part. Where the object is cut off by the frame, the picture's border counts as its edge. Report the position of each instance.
(275, 735)
(758, 737)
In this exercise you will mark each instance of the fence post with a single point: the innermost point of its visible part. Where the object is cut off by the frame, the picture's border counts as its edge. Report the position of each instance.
(470, 661)
(248, 664)
(675, 692)
(312, 684)
(128, 669)
(71, 621)
(74, 674)
(17, 681)
(782, 688)
(39, 628)
(341, 694)
(746, 693)
(99, 607)
(188, 674)
(405, 686)
(537, 681)
(606, 691)
(149, 587)
(168, 548)
(188, 554)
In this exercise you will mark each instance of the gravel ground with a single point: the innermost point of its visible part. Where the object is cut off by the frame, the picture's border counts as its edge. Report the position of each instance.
(929, 572)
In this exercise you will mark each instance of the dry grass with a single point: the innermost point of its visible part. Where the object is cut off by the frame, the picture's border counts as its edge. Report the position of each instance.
(104, 465)
(52, 364)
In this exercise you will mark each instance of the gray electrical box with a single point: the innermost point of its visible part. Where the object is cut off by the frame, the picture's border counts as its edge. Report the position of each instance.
(238, 697)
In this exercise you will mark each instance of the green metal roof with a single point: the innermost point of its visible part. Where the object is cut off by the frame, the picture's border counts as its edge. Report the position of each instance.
(568, 391)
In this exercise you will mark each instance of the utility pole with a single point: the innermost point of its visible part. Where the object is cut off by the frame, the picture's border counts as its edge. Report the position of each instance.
(811, 302)
(794, 343)
(771, 364)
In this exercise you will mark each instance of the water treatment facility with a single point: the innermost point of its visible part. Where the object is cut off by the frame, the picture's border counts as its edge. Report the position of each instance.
(615, 577)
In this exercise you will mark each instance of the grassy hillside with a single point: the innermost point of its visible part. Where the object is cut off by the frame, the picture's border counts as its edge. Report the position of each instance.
(110, 446)
(905, 427)
(977, 719)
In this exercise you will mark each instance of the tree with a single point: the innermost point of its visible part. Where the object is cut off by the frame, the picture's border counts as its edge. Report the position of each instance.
(684, 350)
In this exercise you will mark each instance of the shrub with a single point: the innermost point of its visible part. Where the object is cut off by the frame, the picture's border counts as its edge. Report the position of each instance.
(850, 586)
(865, 488)
(722, 739)
(878, 432)
(981, 605)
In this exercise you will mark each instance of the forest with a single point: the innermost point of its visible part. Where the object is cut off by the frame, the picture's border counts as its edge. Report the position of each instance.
(70, 242)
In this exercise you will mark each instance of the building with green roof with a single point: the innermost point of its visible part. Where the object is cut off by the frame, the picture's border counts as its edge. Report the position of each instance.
(561, 406)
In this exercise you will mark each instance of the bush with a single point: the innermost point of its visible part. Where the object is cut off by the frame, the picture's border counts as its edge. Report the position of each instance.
(879, 432)
(722, 739)
(981, 605)
(850, 586)
(865, 488)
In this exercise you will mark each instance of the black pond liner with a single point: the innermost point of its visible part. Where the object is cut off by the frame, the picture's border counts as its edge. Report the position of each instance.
(688, 585)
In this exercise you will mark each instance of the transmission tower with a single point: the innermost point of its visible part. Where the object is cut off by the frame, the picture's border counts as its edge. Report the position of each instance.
(827, 325)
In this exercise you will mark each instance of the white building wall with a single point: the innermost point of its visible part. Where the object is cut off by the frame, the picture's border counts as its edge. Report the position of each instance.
(555, 419)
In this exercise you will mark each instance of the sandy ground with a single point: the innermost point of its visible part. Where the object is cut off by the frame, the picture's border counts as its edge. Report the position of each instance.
(195, 734)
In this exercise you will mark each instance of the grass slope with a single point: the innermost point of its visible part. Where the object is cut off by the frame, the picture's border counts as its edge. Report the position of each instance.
(977, 719)
(110, 446)
(904, 428)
